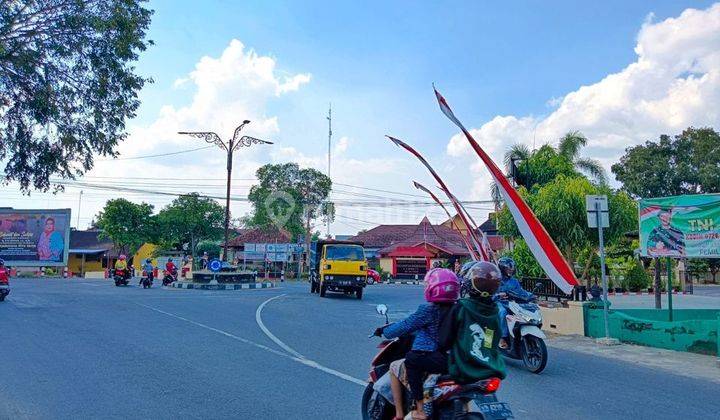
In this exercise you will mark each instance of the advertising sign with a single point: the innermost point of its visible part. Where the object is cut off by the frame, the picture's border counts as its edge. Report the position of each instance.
(681, 226)
(34, 238)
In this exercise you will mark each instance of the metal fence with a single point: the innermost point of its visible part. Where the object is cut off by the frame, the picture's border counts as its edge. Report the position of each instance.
(549, 290)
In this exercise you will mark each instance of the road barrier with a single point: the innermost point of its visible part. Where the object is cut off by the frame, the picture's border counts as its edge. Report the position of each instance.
(692, 330)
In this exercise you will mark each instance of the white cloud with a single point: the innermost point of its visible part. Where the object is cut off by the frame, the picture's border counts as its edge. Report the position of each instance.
(674, 83)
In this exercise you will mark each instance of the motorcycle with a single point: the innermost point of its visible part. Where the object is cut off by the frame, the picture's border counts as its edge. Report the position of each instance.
(170, 276)
(145, 281)
(4, 289)
(121, 277)
(447, 398)
(527, 341)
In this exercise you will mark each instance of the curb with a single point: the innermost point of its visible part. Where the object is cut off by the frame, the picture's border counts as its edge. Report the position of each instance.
(645, 293)
(197, 286)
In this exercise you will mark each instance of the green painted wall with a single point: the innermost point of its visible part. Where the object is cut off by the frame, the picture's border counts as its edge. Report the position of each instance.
(692, 330)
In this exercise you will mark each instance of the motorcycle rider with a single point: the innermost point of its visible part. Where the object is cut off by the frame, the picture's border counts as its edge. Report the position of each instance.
(170, 267)
(509, 285)
(470, 329)
(121, 264)
(148, 268)
(4, 273)
(441, 291)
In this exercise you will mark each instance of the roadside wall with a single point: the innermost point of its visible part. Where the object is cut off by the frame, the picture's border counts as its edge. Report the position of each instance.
(692, 330)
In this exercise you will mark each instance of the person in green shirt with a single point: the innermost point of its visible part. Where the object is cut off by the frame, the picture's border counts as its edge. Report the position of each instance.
(665, 240)
(471, 330)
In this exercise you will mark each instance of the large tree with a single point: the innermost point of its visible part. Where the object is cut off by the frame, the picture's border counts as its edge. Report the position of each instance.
(127, 224)
(190, 219)
(688, 163)
(291, 198)
(67, 83)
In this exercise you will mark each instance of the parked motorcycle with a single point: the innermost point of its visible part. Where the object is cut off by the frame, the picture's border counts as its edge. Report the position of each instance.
(121, 277)
(527, 341)
(448, 399)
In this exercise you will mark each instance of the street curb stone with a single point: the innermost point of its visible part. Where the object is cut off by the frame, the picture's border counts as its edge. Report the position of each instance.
(240, 286)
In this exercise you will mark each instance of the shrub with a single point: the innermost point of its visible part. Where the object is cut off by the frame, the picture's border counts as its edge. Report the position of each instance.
(637, 278)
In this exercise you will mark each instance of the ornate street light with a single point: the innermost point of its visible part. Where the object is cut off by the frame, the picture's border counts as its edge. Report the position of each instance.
(230, 147)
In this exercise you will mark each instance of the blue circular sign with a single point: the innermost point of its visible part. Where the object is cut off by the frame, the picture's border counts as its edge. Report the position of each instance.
(215, 265)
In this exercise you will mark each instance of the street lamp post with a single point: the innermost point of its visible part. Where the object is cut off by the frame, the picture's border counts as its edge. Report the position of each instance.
(230, 147)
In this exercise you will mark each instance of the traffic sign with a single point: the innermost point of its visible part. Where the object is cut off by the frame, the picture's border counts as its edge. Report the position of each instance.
(215, 265)
(595, 204)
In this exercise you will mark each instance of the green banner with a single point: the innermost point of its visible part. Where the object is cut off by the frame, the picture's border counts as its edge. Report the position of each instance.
(681, 226)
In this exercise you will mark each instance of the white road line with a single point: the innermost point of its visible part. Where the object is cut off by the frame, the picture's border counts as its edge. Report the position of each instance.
(258, 319)
(301, 360)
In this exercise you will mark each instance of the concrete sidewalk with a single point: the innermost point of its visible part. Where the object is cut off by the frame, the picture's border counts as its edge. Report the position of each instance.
(690, 365)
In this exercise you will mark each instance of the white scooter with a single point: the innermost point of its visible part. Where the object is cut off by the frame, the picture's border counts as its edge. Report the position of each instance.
(527, 341)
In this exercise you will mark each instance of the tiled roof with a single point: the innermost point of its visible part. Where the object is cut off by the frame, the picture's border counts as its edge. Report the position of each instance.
(89, 239)
(389, 237)
(261, 236)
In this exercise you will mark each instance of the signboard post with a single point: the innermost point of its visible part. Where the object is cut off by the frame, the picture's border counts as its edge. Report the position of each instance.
(35, 238)
(598, 217)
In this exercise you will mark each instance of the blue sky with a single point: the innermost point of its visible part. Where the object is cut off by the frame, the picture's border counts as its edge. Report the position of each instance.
(622, 72)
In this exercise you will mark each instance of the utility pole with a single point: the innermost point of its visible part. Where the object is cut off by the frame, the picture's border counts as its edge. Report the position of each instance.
(229, 147)
(329, 118)
(79, 204)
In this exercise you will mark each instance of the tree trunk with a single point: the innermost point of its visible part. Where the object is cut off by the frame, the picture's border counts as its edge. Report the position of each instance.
(569, 257)
(656, 285)
(587, 266)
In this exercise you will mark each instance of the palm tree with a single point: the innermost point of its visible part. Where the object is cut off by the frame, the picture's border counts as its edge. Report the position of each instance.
(570, 145)
(516, 152)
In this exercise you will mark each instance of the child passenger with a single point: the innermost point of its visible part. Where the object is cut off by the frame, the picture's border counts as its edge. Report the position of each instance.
(442, 289)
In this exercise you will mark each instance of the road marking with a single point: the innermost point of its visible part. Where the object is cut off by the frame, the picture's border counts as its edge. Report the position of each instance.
(258, 319)
(301, 359)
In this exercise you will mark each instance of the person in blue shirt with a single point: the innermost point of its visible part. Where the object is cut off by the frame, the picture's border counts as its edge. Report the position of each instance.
(148, 267)
(509, 287)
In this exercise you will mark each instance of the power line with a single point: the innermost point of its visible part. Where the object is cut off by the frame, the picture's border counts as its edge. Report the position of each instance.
(153, 156)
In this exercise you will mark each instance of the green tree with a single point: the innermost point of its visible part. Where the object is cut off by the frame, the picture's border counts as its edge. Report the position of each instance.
(290, 198)
(190, 219)
(569, 148)
(560, 207)
(212, 248)
(67, 83)
(127, 224)
(685, 164)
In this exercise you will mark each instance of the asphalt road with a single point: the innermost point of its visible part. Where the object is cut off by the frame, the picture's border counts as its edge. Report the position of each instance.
(86, 349)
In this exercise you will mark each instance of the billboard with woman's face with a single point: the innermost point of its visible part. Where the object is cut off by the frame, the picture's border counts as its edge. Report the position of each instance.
(34, 237)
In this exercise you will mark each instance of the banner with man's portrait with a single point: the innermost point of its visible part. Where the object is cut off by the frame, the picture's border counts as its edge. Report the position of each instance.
(32, 238)
(680, 226)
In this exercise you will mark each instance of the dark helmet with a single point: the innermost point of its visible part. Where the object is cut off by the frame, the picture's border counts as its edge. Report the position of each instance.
(2, 262)
(506, 266)
(148, 260)
(462, 274)
(484, 278)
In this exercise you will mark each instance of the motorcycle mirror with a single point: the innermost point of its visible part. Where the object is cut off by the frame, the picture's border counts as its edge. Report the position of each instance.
(381, 309)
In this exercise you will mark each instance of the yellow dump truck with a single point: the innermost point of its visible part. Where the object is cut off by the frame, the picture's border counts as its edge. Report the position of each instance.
(337, 266)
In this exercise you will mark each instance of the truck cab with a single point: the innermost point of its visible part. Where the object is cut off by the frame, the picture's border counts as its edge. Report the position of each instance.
(338, 266)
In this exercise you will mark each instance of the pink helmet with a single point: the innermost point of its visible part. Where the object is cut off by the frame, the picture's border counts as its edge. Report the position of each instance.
(441, 285)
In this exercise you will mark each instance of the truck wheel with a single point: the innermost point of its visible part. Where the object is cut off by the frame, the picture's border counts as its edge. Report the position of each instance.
(359, 293)
(322, 290)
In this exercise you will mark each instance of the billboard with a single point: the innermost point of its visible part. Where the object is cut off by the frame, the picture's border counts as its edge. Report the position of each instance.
(681, 226)
(33, 238)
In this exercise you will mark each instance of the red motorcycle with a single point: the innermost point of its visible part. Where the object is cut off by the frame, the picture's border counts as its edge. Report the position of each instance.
(170, 276)
(121, 277)
(4, 282)
(448, 399)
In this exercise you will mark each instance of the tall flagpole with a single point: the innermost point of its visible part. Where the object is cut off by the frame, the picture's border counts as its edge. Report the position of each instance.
(329, 118)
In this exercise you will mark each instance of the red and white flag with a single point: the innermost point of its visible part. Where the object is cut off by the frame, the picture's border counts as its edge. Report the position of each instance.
(466, 241)
(473, 236)
(540, 243)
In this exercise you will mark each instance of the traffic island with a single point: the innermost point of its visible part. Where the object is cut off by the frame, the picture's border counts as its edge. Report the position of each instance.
(220, 286)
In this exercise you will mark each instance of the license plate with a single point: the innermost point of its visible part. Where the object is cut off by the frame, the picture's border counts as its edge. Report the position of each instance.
(345, 283)
(494, 410)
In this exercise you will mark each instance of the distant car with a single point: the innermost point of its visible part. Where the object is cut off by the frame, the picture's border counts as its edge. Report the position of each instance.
(373, 276)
